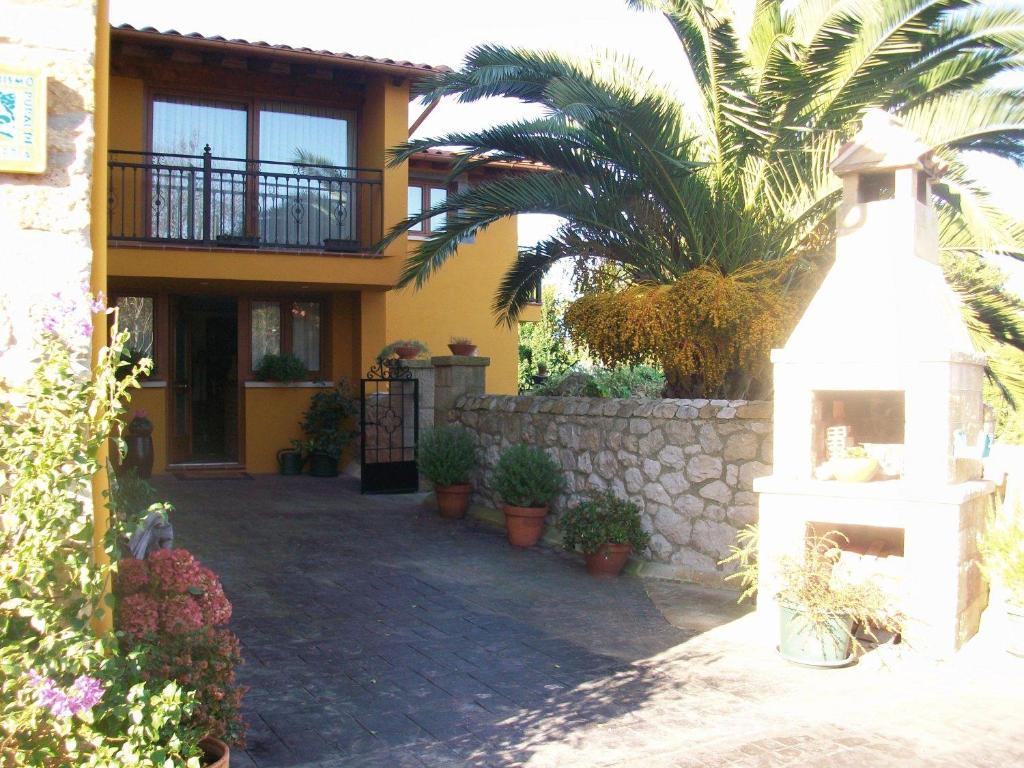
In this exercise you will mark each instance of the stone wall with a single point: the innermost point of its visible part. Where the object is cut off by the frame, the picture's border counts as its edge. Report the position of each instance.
(45, 219)
(688, 464)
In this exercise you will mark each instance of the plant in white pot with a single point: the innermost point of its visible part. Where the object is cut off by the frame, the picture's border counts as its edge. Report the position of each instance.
(447, 457)
(1002, 552)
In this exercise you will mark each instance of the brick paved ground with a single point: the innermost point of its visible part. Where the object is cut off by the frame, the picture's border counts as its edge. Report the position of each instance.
(378, 635)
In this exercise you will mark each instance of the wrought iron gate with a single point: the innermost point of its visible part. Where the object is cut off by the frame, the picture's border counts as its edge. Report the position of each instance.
(389, 424)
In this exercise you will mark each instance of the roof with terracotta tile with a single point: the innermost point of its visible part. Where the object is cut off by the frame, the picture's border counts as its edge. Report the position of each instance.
(391, 66)
(448, 156)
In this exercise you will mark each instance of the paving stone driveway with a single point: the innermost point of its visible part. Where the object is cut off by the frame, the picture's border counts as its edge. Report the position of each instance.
(378, 635)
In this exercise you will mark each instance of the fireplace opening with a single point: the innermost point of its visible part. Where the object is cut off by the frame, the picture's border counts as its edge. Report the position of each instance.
(867, 541)
(873, 421)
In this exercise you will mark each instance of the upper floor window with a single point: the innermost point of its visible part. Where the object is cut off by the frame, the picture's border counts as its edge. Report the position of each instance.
(422, 197)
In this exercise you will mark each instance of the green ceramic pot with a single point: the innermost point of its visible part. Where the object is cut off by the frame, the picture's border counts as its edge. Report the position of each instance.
(803, 643)
(290, 462)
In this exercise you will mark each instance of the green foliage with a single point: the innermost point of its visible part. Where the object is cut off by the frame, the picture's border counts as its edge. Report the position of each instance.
(546, 341)
(527, 477)
(812, 585)
(743, 555)
(281, 368)
(447, 455)
(129, 495)
(329, 422)
(651, 188)
(625, 382)
(52, 587)
(389, 350)
(603, 519)
(1002, 550)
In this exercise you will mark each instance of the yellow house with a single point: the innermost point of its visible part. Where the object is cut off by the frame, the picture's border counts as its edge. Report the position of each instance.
(247, 186)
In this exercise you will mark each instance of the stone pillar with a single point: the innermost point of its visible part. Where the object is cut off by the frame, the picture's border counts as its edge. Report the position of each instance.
(423, 372)
(455, 376)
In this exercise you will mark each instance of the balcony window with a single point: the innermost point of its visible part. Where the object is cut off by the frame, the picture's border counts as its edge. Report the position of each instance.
(277, 174)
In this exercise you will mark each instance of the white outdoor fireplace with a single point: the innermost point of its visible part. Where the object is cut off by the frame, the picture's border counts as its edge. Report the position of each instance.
(882, 350)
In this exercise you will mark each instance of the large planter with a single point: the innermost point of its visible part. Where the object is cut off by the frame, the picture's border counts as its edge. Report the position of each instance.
(803, 643)
(1015, 629)
(407, 353)
(216, 753)
(323, 465)
(290, 462)
(524, 525)
(453, 500)
(608, 560)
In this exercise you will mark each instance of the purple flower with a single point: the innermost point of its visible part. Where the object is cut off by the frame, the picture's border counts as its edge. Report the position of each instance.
(84, 694)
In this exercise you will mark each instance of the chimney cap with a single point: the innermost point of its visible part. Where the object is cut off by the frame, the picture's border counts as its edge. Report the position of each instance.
(883, 143)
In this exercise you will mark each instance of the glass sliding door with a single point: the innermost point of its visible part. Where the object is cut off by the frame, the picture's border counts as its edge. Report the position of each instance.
(301, 200)
(182, 128)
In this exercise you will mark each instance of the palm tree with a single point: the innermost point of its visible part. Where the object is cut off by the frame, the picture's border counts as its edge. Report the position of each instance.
(735, 182)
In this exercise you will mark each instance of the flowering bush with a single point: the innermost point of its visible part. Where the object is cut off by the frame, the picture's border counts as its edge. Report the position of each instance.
(67, 696)
(175, 610)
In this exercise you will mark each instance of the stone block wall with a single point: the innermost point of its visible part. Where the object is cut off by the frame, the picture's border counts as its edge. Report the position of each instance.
(688, 464)
(45, 219)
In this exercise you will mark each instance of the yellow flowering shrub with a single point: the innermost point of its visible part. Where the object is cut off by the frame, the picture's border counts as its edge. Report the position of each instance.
(710, 332)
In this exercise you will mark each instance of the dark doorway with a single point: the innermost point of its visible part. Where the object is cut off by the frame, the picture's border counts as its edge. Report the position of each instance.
(204, 402)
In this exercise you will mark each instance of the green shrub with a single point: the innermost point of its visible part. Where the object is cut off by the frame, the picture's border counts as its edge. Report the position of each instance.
(281, 368)
(623, 382)
(603, 519)
(68, 697)
(527, 477)
(328, 424)
(447, 455)
(130, 496)
(1002, 552)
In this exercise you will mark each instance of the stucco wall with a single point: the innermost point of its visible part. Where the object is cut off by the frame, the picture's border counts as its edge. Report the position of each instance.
(45, 218)
(688, 464)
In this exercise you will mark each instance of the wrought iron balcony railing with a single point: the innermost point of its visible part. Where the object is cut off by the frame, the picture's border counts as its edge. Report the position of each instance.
(228, 202)
(537, 289)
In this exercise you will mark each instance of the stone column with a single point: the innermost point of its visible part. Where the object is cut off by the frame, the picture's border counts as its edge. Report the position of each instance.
(423, 372)
(455, 376)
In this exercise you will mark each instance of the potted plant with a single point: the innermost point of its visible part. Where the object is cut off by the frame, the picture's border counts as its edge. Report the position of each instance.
(819, 605)
(447, 456)
(328, 428)
(855, 466)
(404, 349)
(1002, 552)
(527, 480)
(607, 530)
(283, 368)
(175, 611)
(290, 461)
(460, 345)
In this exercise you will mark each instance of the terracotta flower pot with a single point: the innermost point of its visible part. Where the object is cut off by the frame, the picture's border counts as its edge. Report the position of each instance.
(217, 753)
(524, 525)
(467, 350)
(407, 353)
(608, 560)
(453, 500)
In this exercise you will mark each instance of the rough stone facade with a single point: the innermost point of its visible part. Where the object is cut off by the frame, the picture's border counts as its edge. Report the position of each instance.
(688, 464)
(45, 219)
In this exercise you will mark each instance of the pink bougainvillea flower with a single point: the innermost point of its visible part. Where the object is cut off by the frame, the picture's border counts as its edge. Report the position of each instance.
(213, 601)
(84, 694)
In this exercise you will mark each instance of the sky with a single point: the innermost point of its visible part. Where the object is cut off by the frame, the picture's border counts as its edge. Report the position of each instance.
(443, 31)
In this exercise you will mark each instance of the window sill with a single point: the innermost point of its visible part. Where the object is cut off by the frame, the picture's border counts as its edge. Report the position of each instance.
(147, 384)
(289, 384)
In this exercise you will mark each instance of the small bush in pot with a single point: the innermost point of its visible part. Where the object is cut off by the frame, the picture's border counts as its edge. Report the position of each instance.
(607, 530)
(461, 345)
(404, 349)
(447, 456)
(527, 480)
(329, 428)
(282, 368)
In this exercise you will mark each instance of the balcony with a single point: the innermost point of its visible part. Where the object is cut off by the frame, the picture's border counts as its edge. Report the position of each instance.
(221, 202)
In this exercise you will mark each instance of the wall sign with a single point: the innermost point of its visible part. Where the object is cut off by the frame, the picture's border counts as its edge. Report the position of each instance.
(22, 120)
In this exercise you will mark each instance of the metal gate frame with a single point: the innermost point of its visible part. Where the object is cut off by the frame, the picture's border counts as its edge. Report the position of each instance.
(390, 382)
